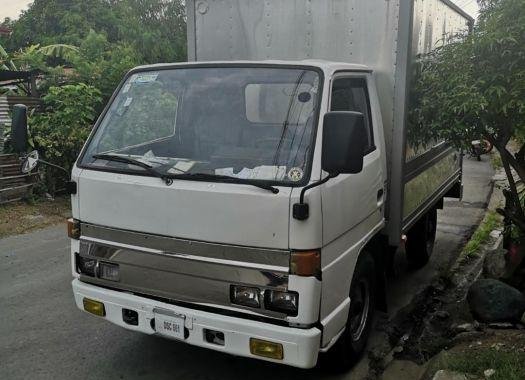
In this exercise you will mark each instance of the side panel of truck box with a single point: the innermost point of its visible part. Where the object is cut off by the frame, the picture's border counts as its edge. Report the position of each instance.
(387, 36)
(430, 167)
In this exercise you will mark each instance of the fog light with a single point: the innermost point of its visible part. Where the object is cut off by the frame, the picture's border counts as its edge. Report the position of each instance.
(266, 349)
(108, 271)
(245, 296)
(284, 302)
(86, 266)
(94, 307)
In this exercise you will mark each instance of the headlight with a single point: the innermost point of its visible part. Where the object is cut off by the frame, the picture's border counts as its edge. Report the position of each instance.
(284, 302)
(108, 271)
(86, 266)
(245, 296)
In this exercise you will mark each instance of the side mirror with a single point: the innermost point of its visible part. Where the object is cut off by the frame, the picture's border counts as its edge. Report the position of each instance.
(344, 141)
(30, 162)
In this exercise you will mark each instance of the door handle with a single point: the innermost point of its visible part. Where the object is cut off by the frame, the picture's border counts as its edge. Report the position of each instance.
(380, 194)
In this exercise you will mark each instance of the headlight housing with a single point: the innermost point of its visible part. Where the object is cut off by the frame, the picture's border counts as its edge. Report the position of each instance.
(283, 302)
(107, 271)
(86, 266)
(245, 296)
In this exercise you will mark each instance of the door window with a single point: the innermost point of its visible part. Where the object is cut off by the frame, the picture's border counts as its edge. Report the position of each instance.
(351, 94)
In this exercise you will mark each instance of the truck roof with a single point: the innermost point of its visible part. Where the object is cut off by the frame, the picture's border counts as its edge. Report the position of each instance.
(327, 66)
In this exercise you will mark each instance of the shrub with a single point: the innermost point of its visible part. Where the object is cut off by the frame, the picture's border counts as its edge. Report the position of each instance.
(60, 131)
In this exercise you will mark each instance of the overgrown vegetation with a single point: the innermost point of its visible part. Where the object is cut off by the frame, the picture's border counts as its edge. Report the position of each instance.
(495, 160)
(109, 37)
(482, 235)
(506, 365)
(59, 132)
(81, 50)
(474, 87)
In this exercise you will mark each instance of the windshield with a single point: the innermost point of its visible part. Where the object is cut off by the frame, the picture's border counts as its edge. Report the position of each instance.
(253, 123)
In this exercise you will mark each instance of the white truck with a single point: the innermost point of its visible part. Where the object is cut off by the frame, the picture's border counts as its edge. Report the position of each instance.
(248, 201)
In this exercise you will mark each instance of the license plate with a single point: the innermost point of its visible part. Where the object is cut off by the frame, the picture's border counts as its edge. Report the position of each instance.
(169, 325)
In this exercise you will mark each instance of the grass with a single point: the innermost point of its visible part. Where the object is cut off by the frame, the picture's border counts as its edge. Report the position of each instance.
(482, 235)
(495, 160)
(508, 365)
(22, 217)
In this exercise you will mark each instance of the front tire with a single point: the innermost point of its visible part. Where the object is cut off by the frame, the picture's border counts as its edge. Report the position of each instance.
(352, 343)
(421, 239)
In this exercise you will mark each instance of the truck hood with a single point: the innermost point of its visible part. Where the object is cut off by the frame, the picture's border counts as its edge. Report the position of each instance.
(212, 212)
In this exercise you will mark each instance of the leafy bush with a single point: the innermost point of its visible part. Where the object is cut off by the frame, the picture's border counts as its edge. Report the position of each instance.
(474, 88)
(61, 130)
(101, 64)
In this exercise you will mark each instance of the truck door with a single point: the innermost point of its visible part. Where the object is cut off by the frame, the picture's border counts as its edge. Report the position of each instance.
(352, 204)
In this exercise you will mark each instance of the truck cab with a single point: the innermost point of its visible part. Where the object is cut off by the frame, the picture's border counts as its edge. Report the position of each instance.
(184, 211)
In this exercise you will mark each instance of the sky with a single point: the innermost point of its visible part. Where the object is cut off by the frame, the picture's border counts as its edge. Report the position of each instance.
(470, 6)
(12, 8)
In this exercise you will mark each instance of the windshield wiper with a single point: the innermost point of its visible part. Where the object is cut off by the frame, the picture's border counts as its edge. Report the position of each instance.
(128, 160)
(168, 178)
(223, 178)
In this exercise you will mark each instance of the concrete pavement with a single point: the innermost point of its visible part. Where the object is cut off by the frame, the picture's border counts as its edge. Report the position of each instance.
(44, 336)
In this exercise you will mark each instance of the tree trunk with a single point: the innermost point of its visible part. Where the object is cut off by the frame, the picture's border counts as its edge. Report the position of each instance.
(513, 209)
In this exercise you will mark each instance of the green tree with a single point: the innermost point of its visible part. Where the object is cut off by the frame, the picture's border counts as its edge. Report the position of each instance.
(112, 35)
(154, 28)
(474, 88)
(59, 132)
(102, 64)
(35, 57)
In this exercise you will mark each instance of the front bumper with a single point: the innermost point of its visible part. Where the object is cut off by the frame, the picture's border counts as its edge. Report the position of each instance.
(301, 346)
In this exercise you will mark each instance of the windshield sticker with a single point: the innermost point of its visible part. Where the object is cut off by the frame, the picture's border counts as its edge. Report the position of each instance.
(126, 88)
(144, 78)
(295, 174)
(304, 97)
(127, 102)
(315, 87)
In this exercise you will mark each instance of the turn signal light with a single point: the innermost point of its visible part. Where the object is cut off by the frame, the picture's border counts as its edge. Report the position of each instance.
(306, 263)
(73, 228)
(94, 307)
(266, 349)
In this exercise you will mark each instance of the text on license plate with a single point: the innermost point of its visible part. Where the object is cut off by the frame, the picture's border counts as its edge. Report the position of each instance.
(172, 326)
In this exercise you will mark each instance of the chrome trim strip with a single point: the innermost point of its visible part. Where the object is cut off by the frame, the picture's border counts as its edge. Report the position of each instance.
(175, 246)
(238, 264)
(177, 267)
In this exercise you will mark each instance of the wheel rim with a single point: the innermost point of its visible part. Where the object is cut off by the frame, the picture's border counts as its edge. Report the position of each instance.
(359, 309)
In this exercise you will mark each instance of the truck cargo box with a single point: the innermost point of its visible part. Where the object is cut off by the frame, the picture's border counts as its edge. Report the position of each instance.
(387, 36)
